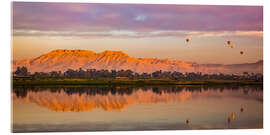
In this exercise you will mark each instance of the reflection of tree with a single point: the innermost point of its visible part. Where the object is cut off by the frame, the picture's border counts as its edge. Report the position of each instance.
(193, 89)
(115, 90)
(22, 92)
(245, 92)
(157, 91)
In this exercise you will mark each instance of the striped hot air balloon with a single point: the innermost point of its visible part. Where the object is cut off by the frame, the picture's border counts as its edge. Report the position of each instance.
(228, 42)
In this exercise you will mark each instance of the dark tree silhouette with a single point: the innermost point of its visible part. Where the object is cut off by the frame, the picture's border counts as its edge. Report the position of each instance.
(103, 73)
(22, 71)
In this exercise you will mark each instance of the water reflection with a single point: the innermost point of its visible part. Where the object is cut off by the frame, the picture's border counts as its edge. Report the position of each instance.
(117, 98)
(83, 108)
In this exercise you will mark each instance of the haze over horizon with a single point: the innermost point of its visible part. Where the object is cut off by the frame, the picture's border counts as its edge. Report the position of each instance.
(140, 30)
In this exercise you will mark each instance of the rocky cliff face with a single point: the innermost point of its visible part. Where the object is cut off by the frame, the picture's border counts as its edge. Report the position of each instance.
(61, 60)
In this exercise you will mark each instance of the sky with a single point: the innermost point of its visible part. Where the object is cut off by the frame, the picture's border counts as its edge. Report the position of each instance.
(140, 30)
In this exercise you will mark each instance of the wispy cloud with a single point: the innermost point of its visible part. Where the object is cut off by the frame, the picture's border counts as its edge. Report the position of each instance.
(140, 18)
(138, 34)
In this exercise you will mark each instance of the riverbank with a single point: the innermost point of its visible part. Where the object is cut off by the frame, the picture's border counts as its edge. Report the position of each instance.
(109, 81)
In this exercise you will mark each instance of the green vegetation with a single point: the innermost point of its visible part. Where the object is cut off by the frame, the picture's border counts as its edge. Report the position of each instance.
(126, 81)
(21, 77)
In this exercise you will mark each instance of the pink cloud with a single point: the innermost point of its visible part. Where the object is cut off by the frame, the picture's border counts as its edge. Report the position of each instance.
(108, 17)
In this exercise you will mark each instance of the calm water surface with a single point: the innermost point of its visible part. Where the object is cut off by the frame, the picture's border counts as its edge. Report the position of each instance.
(136, 108)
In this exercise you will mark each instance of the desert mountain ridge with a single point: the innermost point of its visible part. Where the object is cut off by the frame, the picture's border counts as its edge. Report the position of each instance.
(62, 60)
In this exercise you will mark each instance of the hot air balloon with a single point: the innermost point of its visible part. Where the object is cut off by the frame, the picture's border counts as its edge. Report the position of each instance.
(241, 52)
(242, 109)
(228, 42)
(233, 116)
(229, 120)
(232, 46)
(187, 121)
(187, 40)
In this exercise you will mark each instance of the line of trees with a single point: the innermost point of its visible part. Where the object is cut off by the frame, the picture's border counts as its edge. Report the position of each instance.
(93, 73)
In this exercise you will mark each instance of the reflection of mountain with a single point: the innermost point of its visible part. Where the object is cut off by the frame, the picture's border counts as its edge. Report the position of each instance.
(61, 101)
(61, 60)
(70, 99)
